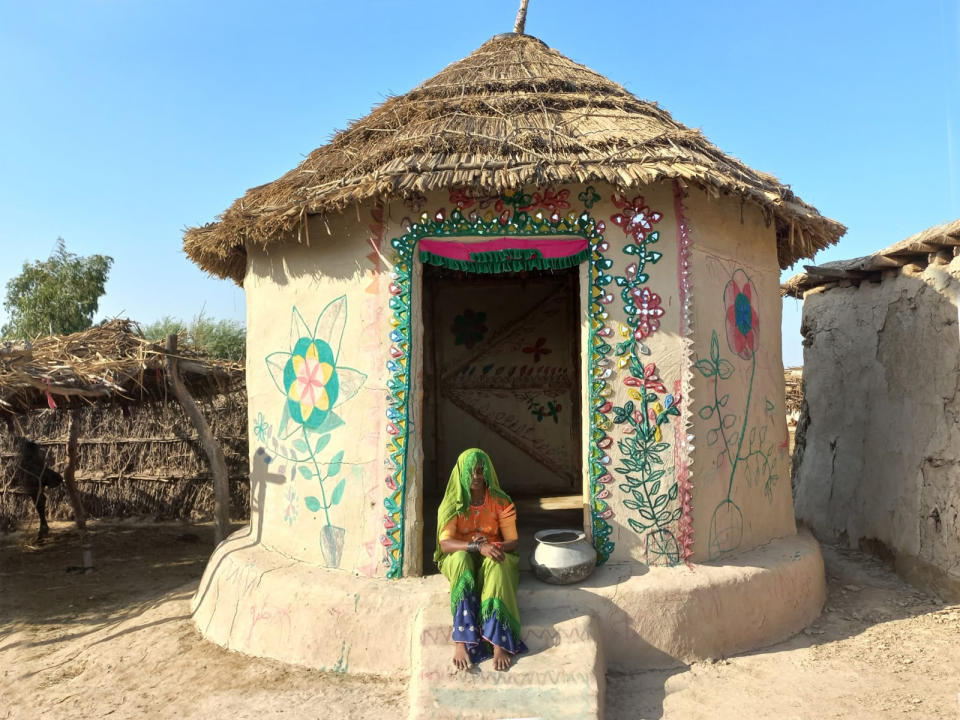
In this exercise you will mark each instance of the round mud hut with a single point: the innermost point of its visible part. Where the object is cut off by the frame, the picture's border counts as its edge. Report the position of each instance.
(517, 255)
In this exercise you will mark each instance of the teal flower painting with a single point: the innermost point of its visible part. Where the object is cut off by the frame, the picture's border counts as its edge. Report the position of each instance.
(308, 374)
(313, 384)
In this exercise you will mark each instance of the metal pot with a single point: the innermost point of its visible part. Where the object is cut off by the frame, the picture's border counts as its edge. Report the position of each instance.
(562, 556)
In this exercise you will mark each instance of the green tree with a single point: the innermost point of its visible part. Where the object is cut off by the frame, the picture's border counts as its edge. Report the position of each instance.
(226, 339)
(56, 296)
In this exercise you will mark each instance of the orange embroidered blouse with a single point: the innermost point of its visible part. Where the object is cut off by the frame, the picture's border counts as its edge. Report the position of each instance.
(495, 520)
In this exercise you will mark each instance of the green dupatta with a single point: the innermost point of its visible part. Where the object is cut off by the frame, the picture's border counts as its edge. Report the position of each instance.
(456, 499)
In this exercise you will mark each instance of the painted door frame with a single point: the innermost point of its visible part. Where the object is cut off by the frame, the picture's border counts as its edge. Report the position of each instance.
(403, 521)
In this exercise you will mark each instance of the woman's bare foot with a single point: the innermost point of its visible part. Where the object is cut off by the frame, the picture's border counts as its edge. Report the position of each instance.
(501, 658)
(461, 660)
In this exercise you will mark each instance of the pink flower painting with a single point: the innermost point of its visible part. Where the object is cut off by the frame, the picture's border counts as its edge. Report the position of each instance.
(742, 320)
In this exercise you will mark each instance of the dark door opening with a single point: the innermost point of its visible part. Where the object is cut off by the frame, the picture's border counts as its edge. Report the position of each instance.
(501, 371)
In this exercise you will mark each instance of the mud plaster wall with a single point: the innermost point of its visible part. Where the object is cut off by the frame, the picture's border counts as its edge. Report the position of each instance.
(880, 436)
(321, 476)
(316, 480)
(740, 468)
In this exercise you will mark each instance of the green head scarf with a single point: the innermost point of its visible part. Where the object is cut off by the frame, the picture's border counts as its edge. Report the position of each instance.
(456, 499)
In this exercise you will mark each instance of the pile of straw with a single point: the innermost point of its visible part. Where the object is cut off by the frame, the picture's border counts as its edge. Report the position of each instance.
(513, 114)
(109, 363)
(793, 382)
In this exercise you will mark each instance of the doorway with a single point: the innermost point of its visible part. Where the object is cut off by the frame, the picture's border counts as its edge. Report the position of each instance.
(501, 371)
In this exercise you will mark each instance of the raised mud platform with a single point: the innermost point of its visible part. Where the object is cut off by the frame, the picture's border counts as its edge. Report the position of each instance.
(260, 602)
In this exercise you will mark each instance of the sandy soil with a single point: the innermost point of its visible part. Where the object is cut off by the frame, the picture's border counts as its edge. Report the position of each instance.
(118, 642)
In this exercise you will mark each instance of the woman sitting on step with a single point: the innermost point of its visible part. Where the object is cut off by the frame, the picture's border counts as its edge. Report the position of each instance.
(476, 544)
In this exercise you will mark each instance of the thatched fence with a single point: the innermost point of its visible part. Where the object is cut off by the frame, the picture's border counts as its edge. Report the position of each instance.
(143, 461)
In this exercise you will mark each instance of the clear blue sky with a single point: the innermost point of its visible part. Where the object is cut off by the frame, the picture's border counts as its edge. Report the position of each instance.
(122, 122)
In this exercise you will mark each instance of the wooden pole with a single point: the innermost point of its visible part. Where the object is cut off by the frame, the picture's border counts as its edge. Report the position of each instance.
(218, 464)
(521, 22)
(70, 474)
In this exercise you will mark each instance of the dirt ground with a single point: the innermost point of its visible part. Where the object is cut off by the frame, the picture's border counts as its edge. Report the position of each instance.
(118, 642)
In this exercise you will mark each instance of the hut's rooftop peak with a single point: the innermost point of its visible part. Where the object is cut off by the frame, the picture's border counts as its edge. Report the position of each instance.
(514, 113)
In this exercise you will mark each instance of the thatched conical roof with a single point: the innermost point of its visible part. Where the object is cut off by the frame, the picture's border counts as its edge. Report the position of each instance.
(513, 113)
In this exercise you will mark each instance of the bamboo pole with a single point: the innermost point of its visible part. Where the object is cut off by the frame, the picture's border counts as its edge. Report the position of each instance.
(70, 473)
(521, 22)
(218, 464)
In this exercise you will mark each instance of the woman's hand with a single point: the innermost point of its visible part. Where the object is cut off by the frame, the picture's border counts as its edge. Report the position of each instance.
(492, 551)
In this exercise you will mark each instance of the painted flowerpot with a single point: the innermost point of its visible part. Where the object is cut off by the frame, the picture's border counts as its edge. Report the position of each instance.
(562, 557)
(331, 544)
(726, 528)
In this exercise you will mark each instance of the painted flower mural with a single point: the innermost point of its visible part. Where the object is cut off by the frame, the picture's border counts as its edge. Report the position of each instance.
(261, 428)
(648, 312)
(741, 447)
(313, 384)
(635, 217)
(469, 328)
(743, 323)
(308, 374)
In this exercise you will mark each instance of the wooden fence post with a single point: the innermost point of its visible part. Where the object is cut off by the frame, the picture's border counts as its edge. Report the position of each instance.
(69, 474)
(218, 464)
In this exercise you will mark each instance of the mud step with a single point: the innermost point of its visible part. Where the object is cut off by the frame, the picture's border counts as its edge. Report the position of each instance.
(562, 675)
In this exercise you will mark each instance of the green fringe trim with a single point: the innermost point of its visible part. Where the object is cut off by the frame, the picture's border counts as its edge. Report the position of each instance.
(465, 585)
(495, 606)
(501, 261)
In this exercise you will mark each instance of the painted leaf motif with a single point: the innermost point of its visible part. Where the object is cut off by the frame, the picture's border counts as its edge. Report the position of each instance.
(338, 492)
(321, 443)
(350, 382)
(705, 368)
(276, 362)
(332, 422)
(335, 464)
(313, 504)
(306, 472)
(301, 446)
(724, 369)
(299, 328)
(330, 324)
(638, 526)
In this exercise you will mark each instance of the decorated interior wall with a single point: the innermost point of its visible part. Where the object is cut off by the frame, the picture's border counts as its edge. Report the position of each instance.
(740, 462)
(502, 372)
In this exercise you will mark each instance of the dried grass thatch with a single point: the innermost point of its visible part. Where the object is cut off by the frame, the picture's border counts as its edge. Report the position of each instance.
(939, 243)
(514, 113)
(109, 363)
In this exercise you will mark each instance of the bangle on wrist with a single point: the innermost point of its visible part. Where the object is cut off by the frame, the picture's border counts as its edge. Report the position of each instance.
(473, 546)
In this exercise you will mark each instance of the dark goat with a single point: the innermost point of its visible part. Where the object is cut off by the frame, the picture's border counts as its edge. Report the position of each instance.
(33, 475)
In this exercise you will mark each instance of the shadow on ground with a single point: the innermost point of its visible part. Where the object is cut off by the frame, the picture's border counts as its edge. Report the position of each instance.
(43, 585)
